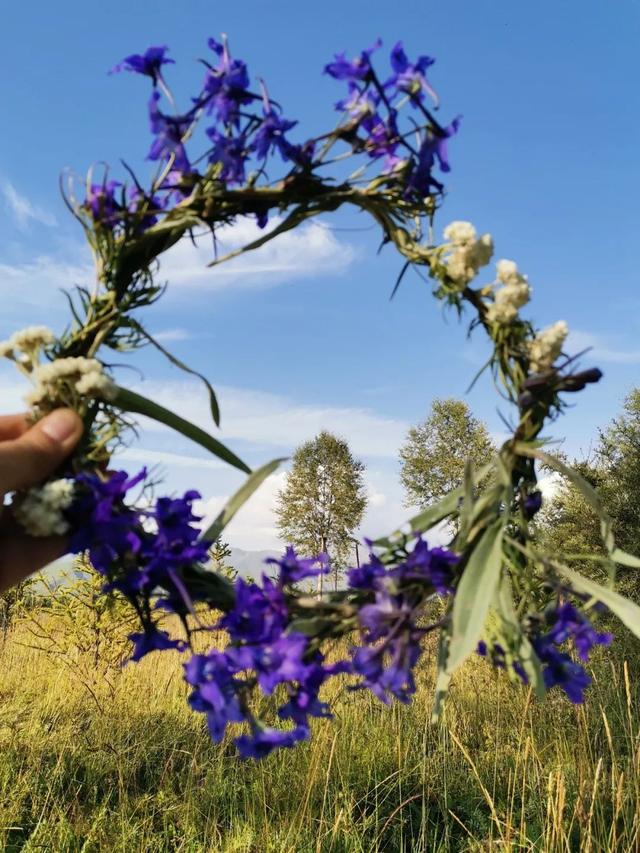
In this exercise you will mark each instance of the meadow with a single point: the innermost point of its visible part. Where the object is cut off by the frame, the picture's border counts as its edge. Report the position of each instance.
(128, 767)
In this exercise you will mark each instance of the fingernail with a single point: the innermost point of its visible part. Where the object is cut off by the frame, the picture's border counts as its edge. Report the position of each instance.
(60, 425)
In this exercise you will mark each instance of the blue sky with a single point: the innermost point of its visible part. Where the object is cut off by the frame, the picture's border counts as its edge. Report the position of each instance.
(302, 336)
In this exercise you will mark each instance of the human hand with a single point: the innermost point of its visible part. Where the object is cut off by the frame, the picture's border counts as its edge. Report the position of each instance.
(28, 455)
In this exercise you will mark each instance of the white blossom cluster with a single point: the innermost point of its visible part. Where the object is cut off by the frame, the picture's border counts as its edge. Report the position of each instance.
(511, 294)
(41, 512)
(470, 252)
(85, 375)
(545, 348)
(27, 341)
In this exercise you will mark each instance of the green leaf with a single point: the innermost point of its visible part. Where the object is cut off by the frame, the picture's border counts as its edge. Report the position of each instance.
(623, 559)
(443, 679)
(236, 501)
(583, 486)
(474, 595)
(129, 401)
(213, 400)
(626, 611)
(427, 518)
(525, 653)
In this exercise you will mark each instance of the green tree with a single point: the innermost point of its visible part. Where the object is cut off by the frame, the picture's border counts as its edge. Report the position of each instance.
(323, 500)
(220, 552)
(435, 452)
(570, 523)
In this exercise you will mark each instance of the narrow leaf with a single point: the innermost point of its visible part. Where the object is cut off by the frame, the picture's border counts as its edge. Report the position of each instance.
(525, 654)
(129, 401)
(623, 559)
(626, 611)
(446, 506)
(583, 486)
(213, 400)
(443, 678)
(474, 595)
(236, 501)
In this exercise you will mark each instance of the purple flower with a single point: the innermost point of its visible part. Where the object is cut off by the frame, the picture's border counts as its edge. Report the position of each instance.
(231, 153)
(387, 668)
(102, 523)
(280, 661)
(436, 566)
(433, 147)
(216, 691)
(382, 138)
(259, 614)
(152, 205)
(561, 671)
(101, 203)
(359, 103)
(569, 623)
(410, 77)
(532, 504)
(365, 576)
(225, 86)
(357, 69)
(293, 568)
(148, 63)
(152, 640)
(169, 132)
(263, 740)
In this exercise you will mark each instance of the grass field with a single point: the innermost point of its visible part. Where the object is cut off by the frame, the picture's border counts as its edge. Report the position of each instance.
(86, 768)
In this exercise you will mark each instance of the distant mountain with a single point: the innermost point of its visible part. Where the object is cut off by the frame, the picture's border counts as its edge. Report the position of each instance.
(250, 564)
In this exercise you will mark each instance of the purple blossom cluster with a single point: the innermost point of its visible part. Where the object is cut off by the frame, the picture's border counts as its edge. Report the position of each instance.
(140, 554)
(144, 554)
(263, 652)
(373, 108)
(565, 623)
(389, 624)
(247, 127)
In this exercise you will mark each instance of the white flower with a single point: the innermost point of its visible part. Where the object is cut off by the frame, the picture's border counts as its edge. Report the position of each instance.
(460, 233)
(96, 384)
(6, 348)
(41, 512)
(31, 338)
(506, 271)
(465, 261)
(63, 368)
(545, 348)
(512, 295)
(85, 375)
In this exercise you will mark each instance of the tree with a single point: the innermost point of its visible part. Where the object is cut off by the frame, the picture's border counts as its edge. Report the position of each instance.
(435, 452)
(323, 500)
(220, 552)
(570, 522)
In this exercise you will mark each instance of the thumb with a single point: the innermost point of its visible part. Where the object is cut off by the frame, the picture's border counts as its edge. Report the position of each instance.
(36, 454)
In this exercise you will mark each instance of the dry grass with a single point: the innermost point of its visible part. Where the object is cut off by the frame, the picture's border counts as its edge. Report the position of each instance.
(133, 770)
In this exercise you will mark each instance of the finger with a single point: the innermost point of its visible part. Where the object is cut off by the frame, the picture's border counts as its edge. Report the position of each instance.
(12, 426)
(29, 459)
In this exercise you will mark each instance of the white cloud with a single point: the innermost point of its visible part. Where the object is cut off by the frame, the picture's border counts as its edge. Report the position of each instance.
(168, 460)
(310, 250)
(35, 287)
(254, 527)
(171, 335)
(22, 209)
(599, 350)
(260, 417)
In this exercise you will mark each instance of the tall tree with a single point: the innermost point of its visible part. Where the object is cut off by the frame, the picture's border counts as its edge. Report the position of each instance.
(435, 452)
(570, 522)
(323, 500)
